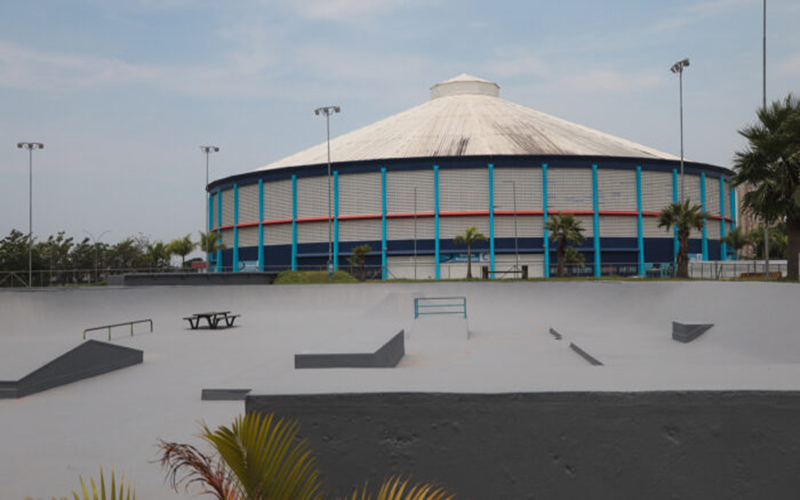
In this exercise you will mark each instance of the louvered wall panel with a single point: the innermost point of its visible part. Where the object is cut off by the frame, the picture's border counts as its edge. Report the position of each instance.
(360, 194)
(313, 232)
(729, 210)
(569, 189)
(279, 234)
(248, 237)
(618, 227)
(691, 188)
(227, 207)
(403, 229)
(616, 190)
(712, 196)
(464, 190)
(656, 190)
(400, 191)
(713, 230)
(213, 202)
(278, 200)
(528, 183)
(360, 230)
(527, 227)
(449, 227)
(650, 229)
(312, 197)
(227, 237)
(587, 225)
(248, 203)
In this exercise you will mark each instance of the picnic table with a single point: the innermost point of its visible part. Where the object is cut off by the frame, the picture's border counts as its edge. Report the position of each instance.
(213, 319)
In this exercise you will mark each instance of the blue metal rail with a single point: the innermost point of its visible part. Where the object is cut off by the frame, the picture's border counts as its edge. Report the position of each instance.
(440, 305)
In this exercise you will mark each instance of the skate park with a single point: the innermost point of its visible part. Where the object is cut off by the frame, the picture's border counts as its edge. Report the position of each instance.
(504, 391)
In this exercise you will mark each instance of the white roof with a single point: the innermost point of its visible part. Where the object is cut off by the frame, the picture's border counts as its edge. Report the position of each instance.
(466, 117)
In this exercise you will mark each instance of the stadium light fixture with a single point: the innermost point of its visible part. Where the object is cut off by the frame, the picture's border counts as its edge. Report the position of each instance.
(327, 111)
(207, 150)
(677, 68)
(96, 241)
(30, 146)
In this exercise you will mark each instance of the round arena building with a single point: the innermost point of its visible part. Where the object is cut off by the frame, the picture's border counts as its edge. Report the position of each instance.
(408, 184)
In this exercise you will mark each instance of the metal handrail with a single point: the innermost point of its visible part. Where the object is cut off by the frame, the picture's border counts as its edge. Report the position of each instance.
(109, 327)
(440, 308)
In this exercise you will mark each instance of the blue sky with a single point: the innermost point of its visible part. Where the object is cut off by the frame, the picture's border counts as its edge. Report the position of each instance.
(123, 93)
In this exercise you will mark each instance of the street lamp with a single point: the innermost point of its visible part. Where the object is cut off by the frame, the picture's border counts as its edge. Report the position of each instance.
(516, 239)
(30, 146)
(207, 231)
(328, 111)
(96, 241)
(678, 68)
(764, 106)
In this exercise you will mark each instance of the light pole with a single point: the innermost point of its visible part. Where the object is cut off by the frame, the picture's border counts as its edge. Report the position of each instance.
(96, 241)
(516, 239)
(764, 106)
(328, 111)
(678, 68)
(207, 231)
(30, 146)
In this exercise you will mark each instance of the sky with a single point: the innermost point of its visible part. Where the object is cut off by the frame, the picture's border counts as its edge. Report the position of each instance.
(123, 93)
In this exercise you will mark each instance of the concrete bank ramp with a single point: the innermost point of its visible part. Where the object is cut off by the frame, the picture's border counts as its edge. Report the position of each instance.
(361, 345)
(394, 305)
(445, 328)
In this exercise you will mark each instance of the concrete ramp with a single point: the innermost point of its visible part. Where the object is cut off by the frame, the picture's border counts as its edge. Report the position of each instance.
(89, 359)
(686, 332)
(439, 328)
(372, 346)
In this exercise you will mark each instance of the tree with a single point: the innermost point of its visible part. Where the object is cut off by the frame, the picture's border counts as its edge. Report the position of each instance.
(736, 239)
(210, 242)
(573, 258)
(778, 241)
(771, 163)
(158, 255)
(182, 247)
(685, 217)
(359, 261)
(563, 229)
(468, 238)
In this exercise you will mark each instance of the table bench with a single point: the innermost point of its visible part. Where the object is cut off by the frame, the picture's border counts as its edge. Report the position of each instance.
(212, 318)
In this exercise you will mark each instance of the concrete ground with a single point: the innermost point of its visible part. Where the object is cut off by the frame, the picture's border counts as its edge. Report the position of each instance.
(48, 439)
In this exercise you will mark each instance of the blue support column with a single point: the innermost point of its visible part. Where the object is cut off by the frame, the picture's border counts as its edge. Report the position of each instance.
(491, 219)
(294, 223)
(384, 249)
(436, 218)
(261, 225)
(705, 211)
(640, 224)
(219, 231)
(733, 209)
(596, 222)
(210, 225)
(335, 220)
(675, 229)
(544, 223)
(236, 228)
(723, 248)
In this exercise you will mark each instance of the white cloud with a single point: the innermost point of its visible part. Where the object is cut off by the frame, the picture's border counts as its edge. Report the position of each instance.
(346, 10)
(698, 12)
(607, 80)
(791, 65)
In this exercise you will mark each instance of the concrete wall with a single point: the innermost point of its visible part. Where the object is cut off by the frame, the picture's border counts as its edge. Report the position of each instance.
(654, 445)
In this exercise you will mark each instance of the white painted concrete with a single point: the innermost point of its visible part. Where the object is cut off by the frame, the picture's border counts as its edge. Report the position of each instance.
(48, 439)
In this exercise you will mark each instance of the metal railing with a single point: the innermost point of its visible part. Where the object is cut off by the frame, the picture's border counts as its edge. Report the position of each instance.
(109, 327)
(440, 305)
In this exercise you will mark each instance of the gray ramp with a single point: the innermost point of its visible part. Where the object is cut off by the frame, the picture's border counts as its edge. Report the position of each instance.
(89, 359)
(356, 351)
(687, 332)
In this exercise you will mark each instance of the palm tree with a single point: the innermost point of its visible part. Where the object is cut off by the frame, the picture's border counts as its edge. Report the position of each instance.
(261, 457)
(183, 247)
(573, 258)
(468, 238)
(685, 217)
(771, 163)
(210, 242)
(736, 239)
(563, 229)
(159, 254)
(358, 261)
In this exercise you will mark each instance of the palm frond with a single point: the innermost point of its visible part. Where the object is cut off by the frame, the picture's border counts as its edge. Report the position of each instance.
(397, 488)
(187, 466)
(101, 493)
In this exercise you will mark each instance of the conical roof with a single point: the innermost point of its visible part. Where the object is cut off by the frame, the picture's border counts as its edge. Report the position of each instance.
(467, 117)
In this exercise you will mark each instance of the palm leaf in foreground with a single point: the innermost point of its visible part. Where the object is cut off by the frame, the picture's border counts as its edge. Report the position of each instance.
(397, 488)
(186, 466)
(123, 493)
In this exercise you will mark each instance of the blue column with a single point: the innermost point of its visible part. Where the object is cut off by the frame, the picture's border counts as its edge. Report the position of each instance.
(261, 225)
(640, 224)
(491, 219)
(703, 202)
(436, 218)
(236, 228)
(733, 208)
(294, 223)
(544, 223)
(335, 220)
(723, 248)
(219, 231)
(383, 224)
(210, 224)
(675, 229)
(596, 222)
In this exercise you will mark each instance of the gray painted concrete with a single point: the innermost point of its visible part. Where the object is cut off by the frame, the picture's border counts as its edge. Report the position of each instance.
(585, 355)
(191, 279)
(687, 332)
(654, 445)
(372, 351)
